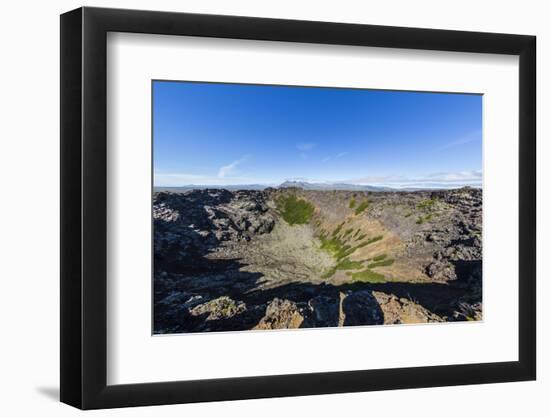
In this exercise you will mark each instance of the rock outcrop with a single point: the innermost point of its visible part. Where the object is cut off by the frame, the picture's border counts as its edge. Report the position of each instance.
(281, 314)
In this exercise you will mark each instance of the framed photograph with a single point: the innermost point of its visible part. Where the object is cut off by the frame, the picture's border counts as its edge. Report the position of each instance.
(257, 207)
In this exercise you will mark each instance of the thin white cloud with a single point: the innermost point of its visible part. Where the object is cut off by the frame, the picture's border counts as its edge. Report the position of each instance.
(305, 146)
(339, 155)
(378, 179)
(178, 175)
(176, 179)
(461, 176)
(442, 180)
(225, 176)
(470, 137)
(471, 178)
(226, 170)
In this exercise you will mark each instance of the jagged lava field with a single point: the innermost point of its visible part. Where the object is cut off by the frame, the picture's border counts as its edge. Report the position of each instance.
(282, 258)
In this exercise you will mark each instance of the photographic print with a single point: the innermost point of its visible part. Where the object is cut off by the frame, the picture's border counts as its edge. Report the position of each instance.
(286, 207)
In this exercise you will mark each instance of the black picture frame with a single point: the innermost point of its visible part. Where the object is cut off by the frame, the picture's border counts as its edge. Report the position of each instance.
(84, 207)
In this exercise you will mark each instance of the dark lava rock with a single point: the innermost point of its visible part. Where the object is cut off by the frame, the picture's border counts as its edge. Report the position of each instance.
(189, 225)
(361, 308)
(324, 311)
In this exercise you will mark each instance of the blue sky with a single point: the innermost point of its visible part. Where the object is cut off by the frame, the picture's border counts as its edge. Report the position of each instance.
(227, 134)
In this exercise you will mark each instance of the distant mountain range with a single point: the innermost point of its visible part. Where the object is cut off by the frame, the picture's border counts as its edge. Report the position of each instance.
(320, 186)
(214, 186)
(326, 186)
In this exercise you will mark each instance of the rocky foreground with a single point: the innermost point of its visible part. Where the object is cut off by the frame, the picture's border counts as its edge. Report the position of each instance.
(290, 258)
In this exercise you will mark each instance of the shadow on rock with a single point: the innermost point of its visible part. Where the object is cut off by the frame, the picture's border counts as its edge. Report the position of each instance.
(230, 301)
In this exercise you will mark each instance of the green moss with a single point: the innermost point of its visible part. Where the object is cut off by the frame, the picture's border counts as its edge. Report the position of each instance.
(368, 242)
(295, 210)
(344, 264)
(367, 276)
(346, 252)
(426, 204)
(379, 257)
(385, 262)
(341, 251)
(362, 207)
(337, 248)
(347, 232)
(352, 203)
(337, 230)
(361, 237)
(330, 244)
(349, 264)
(329, 273)
(333, 245)
(423, 219)
(375, 239)
(356, 233)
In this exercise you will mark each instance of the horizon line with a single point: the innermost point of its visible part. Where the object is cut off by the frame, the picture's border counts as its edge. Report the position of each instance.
(328, 187)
